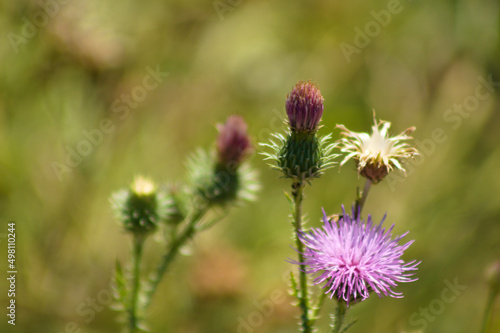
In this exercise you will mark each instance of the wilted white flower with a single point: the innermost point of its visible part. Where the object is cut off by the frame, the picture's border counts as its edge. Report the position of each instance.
(378, 153)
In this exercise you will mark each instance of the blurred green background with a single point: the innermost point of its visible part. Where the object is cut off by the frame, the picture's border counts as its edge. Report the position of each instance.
(69, 65)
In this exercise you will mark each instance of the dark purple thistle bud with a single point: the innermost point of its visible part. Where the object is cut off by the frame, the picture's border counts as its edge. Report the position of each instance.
(304, 107)
(233, 143)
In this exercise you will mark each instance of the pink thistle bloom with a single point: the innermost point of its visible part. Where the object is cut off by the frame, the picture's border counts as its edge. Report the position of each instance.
(352, 258)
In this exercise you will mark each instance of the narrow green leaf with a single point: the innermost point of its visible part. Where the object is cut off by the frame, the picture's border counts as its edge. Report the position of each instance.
(291, 203)
(349, 325)
(294, 286)
(120, 284)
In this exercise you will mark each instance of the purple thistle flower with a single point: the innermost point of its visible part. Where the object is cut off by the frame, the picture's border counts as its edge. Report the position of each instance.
(233, 143)
(354, 258)
(304, 107)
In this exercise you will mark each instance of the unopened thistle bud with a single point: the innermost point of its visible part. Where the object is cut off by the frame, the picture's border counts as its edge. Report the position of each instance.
(377, 154)
(137, 207)
(301, 154)
(222, 177)
(304, 107)
(233, 143)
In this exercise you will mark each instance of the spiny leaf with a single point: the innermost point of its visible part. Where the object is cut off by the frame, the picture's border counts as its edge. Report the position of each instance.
(290, 201)
(120, 284)
(294, 286)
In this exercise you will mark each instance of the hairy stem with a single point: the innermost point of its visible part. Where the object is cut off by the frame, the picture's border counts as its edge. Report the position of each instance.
(136, 279)
(487, 311)
(360, 202)
(338, 319)
(297, 189)
(172, 252)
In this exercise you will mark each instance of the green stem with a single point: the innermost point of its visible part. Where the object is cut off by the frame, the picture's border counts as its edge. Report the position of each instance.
(488, 310)
(338, 319)
(360, 202)
(137, 258)
(297, 189)
(172, 252)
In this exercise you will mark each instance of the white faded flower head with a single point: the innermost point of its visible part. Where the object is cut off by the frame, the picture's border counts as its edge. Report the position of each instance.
(376, 154)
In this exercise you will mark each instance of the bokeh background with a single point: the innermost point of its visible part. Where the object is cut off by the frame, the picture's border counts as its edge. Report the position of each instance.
(68, 65)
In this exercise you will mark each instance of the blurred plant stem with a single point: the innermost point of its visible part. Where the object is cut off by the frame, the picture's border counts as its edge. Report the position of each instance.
(360, 201)
(488, 311)
(173, 250)
(338, 318)
(297, 193)
(137, 258)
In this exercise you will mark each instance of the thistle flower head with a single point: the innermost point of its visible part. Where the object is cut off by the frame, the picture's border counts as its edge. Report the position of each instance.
(302, 154)
(233, 143)
(219, 186)
(304, 107)
(141, 206)
(222, 178)
(376, 154)
(352, 258)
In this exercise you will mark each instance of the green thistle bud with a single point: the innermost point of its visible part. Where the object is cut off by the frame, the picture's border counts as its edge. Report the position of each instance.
(223, 187)
(137, 207)
(211, 182)
(177, 212)
(302, 155)
(222, 177)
